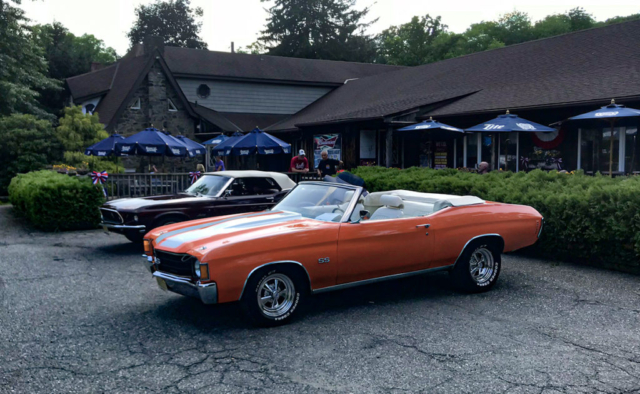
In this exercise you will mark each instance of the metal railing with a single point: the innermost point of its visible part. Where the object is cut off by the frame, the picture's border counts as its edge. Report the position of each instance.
(142, 185)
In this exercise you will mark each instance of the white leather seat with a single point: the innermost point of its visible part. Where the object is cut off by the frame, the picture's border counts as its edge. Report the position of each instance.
(392, 208)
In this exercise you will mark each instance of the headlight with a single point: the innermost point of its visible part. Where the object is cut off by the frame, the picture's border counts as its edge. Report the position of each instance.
(196, 267)
(135, 218)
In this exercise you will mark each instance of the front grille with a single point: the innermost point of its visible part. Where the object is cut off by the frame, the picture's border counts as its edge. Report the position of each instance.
(174, 263)
(111, 216)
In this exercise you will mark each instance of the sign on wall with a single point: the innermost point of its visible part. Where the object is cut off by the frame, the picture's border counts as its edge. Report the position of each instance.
(441, 155)
(332, 143)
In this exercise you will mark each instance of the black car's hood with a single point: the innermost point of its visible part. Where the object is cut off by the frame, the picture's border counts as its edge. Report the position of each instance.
(131, 204)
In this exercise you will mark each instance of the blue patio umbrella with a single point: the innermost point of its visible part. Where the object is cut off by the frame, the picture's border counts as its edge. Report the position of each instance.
(216, 141)
(508, 123)
(255, 142)
(434, 128)
(193, 148)
(611, 113)
(106, 147)
(151, 142)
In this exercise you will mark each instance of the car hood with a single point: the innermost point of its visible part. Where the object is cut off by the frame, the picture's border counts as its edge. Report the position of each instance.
(203, 236)
(131, 204)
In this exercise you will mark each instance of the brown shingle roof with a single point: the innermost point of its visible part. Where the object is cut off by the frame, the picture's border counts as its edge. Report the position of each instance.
(184, 61)
(587, 65)
(130, 71)
(92, 84)
(116, 81)
(214, 117)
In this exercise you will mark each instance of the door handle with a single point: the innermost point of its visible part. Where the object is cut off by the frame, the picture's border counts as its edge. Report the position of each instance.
(423, 225)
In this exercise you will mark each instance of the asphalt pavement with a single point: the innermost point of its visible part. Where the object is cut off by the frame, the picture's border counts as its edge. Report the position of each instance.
(79, 313)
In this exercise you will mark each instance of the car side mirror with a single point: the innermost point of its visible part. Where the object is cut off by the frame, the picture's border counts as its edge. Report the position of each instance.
(227, 193)
(364, 214)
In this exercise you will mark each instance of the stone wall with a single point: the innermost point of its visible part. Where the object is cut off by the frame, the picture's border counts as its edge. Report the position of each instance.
(154, 93)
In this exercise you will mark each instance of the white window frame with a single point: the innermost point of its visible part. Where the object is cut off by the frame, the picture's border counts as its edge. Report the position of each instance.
(136, 104)
(172, 106)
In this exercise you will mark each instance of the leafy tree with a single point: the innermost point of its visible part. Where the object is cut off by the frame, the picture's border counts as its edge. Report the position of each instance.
(28, 144)
(479, 37)
(318, 29)
(620, 19)
(514, 27)
(173, 20)
(580, 19)
(410, 44)
(552, 25)
(255, 48)
(67, 56)
(78, 131)
(23, 69)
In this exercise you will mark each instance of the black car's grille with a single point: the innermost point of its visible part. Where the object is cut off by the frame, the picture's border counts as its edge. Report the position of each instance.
(173, 263)
(111, 216)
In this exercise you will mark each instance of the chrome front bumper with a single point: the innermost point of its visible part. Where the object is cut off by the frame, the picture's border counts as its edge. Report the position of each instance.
(142, 228)
(206, 292)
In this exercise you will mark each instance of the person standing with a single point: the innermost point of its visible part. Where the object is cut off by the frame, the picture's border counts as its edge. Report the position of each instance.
(200, 168)
(299, 163)
(219, 164)
(327, 166)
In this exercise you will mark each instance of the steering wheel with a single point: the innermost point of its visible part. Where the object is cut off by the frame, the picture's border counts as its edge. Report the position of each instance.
(337, 210)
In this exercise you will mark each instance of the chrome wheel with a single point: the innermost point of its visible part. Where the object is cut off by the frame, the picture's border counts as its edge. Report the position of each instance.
(482, 265)
(276, 295)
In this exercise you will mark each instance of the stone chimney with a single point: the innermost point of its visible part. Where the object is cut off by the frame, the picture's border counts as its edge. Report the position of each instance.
(95, 66)
(152, 43)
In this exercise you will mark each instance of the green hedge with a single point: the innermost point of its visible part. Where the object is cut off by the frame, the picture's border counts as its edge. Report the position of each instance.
(590, 219)
(53, 201)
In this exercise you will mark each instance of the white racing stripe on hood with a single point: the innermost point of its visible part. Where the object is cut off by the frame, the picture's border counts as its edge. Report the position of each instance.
(228, 226)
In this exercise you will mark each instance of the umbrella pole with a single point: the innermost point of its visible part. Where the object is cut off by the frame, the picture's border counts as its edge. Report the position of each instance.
(611, 151)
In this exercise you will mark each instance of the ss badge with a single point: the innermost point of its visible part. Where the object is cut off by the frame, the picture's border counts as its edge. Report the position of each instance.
(323, 260)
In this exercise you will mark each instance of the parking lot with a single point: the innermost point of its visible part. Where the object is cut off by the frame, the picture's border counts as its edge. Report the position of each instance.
(79, 313)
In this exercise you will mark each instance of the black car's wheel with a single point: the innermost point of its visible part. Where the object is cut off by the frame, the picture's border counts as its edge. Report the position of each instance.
(273, 295)
(134, 236)
(478, 267)
(167, 220)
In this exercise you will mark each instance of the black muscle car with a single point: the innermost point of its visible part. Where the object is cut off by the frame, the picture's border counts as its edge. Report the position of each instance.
(214, 194)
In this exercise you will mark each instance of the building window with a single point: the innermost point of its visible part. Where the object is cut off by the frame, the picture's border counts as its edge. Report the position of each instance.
(89, 108)
(136, 104)
(203, 91)
(172, 106)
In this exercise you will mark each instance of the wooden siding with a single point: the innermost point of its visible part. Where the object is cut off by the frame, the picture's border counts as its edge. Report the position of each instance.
(246, 97)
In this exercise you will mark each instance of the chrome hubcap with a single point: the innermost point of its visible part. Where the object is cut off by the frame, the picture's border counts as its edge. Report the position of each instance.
(276, 294)
(482, 265)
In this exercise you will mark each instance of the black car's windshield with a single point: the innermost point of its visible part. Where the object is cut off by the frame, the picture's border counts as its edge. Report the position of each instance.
(327, 203)
(208, 185)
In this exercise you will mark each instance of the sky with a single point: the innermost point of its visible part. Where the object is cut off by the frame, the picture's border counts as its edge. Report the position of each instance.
(241, 21)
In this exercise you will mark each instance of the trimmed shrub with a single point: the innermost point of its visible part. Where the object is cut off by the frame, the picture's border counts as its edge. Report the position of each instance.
(53, 201)
(590, 219)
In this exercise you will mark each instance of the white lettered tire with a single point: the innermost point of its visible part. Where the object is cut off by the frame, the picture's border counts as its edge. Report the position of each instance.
(273, 295)
(478, 267)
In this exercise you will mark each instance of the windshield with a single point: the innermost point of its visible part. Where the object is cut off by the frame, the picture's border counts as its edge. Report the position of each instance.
(327, 203)
(208, 185)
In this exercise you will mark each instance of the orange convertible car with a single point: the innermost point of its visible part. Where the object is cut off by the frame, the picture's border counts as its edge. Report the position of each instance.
(329, 236)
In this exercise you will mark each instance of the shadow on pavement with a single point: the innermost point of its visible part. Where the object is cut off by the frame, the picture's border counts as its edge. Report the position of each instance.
(184, 310)
(125, 248)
